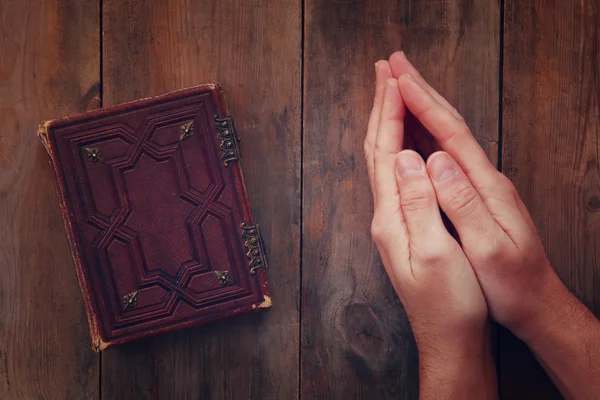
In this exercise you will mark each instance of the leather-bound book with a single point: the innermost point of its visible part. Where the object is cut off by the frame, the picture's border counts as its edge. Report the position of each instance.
(156, 214)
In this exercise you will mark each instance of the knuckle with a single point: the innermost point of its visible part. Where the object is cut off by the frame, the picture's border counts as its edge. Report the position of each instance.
(380, 150)
(501, 189)
(423, 110)
(416, 199)
(464, 200)
(456, 129)
(506, 185)
(434, 254)
(378, 229)
(431, 258)
(448, 137)
(375, 231)
(490, 251)
(459, 117)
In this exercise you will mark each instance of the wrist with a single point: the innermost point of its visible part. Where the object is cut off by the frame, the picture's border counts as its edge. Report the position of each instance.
(561, 320)
(549, 304)
(460, 363)
(565, 338)
(460, 346)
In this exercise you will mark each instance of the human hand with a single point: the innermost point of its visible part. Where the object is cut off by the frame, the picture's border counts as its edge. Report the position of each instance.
(426, 265)
(496, 232)
(500, 241)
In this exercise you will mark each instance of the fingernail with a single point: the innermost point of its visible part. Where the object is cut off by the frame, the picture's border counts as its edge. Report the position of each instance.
(408, 163)
(441, 166)
(410, 78)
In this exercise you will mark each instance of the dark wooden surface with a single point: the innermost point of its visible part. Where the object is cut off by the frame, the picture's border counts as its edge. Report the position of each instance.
(49, 66)
(298, 75)
(551, 125)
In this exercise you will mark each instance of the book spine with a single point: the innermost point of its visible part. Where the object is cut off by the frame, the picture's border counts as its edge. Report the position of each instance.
(221, 104)
(98, 344)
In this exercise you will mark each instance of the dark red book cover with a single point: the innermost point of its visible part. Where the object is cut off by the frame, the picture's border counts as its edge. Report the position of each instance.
(156, 214)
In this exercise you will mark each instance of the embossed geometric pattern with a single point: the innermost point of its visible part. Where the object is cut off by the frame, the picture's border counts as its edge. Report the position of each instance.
(157, 216)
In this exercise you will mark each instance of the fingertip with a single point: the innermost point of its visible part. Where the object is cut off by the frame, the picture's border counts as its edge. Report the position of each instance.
(400, 64)
(414, 95)
(397, 56)
(441, 166)
(431, 159)
(409, 163)
(382, 71)
(406, 84)
(412, 152)
(383, 66)
(405, 79)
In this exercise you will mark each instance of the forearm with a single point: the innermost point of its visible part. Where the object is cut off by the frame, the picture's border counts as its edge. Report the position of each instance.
(565, 338)
(463, 370)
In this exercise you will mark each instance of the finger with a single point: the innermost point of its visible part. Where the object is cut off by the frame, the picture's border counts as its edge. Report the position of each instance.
(388, 143)
(400, 65)
(460, 201)
(418, 201)
(382, 73)
(456, 139)
(450, 132)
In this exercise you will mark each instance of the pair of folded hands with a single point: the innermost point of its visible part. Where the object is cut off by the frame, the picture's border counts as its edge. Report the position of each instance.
(496, 266)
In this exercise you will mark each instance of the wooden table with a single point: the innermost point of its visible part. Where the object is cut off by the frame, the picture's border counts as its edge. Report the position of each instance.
(299, 79)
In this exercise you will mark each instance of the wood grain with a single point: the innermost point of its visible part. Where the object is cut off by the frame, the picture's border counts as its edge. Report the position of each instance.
(253, 49)
(551, 125)
(49, 68)
(356, 340)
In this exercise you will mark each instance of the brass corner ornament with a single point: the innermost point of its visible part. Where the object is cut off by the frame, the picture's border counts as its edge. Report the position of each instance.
(186, 130)
(229, 139)
(130, 300)
(255, 246)
(224, 278)
(94, 154)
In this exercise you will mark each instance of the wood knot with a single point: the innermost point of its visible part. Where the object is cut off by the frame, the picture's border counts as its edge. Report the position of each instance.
(593, 204)
(364, 336)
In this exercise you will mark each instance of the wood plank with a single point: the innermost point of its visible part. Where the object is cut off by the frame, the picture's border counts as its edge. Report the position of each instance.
(253, 49)
(49, 69)
(550, 150)
(356, 340)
